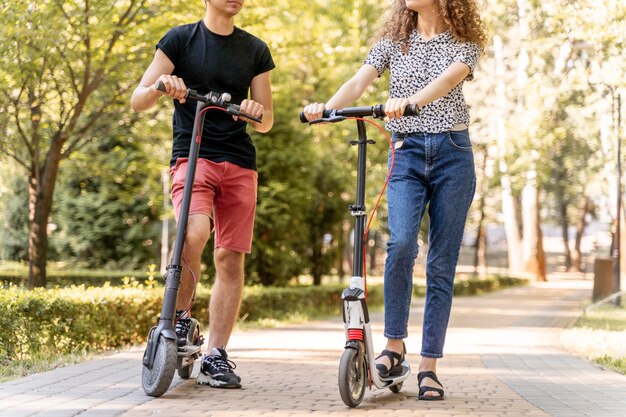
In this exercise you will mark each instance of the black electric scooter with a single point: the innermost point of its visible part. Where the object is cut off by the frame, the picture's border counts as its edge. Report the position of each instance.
(163, 356)
(357, 367)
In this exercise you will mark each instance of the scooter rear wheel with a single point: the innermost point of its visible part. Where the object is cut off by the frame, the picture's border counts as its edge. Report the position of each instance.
(396, 388)
(157, 380)
(352, 377)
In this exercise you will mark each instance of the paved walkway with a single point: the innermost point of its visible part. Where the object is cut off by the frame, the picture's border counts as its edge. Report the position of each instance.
(503, 358)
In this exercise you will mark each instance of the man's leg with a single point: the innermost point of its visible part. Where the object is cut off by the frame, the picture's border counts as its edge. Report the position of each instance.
(234, 211)
(217, 370)
(196, 238)
(225, 296)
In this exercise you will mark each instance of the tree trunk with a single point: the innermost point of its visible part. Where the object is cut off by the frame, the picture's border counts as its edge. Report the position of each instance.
(316, 262)
(577, 264)
(39, 211)
(316, 243)
(480, 254)
(534, 255)
(509, 208)
(372, 250)
(347, 253)
(341, 244)
(41, 186)
(480, 246)
(562, 207)
(542, 269)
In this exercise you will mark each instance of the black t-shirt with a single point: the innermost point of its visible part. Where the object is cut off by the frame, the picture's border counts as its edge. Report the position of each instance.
(222, 64)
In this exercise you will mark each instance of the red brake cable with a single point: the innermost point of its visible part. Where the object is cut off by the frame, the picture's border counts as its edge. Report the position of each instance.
(382, 191)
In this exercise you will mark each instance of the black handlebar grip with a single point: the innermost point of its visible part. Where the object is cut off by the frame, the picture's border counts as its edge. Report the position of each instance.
(191, 94)
(412, 110)
(325, 114)
(160, 86)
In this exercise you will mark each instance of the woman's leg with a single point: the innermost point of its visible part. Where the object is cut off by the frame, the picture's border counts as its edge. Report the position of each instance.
(407, 197)
(453, 182)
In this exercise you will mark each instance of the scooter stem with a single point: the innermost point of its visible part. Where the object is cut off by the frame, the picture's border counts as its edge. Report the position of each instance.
(174, 270)
(358, 210)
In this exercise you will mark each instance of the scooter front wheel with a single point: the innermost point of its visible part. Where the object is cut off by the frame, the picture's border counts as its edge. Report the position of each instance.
(352, 377)
(157, 380)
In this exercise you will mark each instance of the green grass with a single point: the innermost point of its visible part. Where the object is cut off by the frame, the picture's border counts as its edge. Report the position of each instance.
(618, 365)
(600, 335)
(606, 317)
(17, 369)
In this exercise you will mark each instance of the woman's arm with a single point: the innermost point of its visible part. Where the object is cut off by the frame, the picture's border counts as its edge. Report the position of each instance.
(349, 92)
(438, 88)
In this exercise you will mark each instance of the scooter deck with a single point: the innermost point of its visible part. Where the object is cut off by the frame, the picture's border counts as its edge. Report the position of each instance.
(396, 379)
(188, 350)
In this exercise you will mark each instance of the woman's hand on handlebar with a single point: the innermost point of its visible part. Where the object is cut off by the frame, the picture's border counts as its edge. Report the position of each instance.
(394, 108)
(314, 111)
(174, 87)
(252, 108)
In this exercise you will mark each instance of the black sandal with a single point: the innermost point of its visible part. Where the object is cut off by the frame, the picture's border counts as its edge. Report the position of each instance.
(425, 389)
(396, 367)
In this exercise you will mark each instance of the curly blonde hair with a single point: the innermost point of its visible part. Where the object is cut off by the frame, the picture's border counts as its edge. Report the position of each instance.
(460, 17)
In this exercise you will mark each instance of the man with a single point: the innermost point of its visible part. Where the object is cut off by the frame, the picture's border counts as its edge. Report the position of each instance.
(214, 55)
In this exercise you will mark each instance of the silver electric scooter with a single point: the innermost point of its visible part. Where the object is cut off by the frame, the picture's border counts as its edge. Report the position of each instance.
(357, 367)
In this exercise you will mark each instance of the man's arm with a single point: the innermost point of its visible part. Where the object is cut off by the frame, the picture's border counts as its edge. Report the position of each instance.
(260, 103)
(146, 95)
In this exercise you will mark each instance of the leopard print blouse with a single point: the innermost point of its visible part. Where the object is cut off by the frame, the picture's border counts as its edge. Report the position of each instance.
(411, 72)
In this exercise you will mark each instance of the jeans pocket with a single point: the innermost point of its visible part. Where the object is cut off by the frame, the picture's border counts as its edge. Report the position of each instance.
(460, 140)
(398, 140)
(397, 145)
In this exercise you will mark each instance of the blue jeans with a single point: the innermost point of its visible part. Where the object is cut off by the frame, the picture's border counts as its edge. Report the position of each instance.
(436, 169)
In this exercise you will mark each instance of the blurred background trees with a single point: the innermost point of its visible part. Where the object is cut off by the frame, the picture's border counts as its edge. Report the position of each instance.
(80, 178)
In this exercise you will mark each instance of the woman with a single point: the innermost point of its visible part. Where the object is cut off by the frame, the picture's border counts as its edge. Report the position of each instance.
(430, 48)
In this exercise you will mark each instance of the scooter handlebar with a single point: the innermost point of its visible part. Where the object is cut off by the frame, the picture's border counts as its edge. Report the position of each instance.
(377, 111)
(219, 100)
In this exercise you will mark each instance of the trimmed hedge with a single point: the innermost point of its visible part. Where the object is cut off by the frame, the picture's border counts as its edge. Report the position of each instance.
(79, 318)
(73, 319)
(66, 278)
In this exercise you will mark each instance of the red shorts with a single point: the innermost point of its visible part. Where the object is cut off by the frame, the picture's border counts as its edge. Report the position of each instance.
(226, 193)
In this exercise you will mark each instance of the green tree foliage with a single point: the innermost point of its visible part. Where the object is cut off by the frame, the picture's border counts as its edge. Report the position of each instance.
(64, 79)
(305, 173)
(68, 69)
(14, 220)
(107, 209)
(551, 115)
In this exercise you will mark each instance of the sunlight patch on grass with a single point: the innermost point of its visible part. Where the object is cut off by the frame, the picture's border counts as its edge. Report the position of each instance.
(600, 335)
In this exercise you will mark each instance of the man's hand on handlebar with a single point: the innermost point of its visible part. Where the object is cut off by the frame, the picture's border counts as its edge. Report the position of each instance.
(174, 87)
(314, 111)
(252, 108)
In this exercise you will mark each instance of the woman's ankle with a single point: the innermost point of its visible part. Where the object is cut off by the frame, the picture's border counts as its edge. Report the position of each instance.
(428, 364)
(395, 345)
